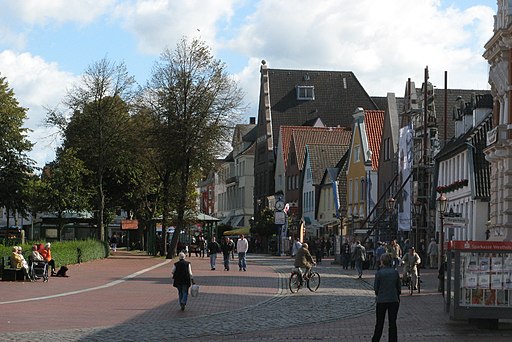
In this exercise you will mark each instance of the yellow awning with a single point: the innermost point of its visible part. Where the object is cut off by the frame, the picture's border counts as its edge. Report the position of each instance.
(239, 231)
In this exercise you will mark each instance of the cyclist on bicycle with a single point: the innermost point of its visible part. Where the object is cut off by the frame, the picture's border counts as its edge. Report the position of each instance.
(304, 259)
(411, 261)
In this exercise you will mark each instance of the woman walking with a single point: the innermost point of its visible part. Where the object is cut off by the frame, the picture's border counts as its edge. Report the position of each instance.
(183, 279)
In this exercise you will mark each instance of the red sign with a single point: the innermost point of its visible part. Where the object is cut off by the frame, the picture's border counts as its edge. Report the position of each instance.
(129, 224)
(481, 245)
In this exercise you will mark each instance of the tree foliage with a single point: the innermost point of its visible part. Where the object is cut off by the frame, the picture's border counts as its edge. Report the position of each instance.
(99, 127)
(193, 105)
(15, 166)
(64, 188)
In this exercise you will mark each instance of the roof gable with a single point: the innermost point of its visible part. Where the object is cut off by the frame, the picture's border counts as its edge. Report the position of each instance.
(326, 136)
(322, 157)
(336, 94)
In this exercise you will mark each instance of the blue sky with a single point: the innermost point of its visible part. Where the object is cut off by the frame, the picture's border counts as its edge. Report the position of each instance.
(46, 44)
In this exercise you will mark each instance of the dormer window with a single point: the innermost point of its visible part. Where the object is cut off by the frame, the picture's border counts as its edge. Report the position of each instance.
(305, 92)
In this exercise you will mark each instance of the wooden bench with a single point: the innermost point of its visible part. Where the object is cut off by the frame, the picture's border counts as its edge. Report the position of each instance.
(11, 273)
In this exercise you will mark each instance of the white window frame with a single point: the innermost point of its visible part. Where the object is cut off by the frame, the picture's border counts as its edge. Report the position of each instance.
(357, 154)
(305, 92)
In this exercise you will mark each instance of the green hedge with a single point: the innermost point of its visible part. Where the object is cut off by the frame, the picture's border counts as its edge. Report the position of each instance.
(66, 252)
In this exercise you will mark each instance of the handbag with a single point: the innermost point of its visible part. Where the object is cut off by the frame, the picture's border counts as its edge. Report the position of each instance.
(194, 290)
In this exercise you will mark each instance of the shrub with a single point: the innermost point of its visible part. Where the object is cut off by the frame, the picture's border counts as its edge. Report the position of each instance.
(67, 252)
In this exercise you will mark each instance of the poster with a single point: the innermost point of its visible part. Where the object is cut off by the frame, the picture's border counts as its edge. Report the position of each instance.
(496, 281)
(471, 280)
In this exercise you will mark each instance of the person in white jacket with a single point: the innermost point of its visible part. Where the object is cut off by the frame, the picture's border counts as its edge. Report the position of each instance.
(242, 246)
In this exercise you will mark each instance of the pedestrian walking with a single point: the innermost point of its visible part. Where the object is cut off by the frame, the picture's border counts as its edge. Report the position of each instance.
(432, 252)
(113, 242)
(387, 288)
(182, 279)
(359, 257)
(381, 250)
(345, 254)
(242, 246)
(227, 248)
(396, 253)
(213, 249)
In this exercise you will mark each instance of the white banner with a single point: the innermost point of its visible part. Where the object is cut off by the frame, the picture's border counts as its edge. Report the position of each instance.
(405, 159)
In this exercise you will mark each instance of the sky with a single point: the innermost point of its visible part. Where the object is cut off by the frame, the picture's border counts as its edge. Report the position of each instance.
(45, 45)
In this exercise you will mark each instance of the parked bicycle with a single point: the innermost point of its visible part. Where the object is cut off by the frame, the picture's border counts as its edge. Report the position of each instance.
(297, 279)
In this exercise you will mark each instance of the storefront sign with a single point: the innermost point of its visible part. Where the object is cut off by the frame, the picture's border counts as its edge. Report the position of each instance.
(481, 245)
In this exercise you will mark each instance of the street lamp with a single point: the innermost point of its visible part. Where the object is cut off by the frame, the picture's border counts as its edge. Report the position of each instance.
(442, 206)
(417, 213)
(390, 206)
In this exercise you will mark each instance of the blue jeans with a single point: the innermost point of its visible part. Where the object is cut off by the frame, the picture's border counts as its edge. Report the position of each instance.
(213, 259)
(359, 267)
(183, 293)
(242, 262)
(226, 261)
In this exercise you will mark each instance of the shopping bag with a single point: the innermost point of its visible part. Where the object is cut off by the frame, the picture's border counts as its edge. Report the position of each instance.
(194, 290)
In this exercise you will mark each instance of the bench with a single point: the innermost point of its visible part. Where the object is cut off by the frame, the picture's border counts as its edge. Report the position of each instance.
(10, 273)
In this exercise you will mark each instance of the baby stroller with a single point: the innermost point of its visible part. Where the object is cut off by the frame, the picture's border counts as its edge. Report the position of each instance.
(38, 270)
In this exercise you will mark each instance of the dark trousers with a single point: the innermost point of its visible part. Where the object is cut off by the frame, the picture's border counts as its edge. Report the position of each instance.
(392, 309)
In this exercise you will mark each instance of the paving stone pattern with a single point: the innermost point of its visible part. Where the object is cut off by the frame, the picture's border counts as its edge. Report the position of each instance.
(128, 297)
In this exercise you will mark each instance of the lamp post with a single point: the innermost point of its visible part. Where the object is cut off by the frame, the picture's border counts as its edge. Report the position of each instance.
(417, 213)
(390, 206)
(442, 205)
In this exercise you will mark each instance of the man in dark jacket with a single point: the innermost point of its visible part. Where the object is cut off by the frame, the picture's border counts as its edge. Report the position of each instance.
(213, 249)
(183, 279)
(227, 246)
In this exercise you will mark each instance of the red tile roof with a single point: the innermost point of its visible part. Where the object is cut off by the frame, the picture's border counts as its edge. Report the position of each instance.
(374, 122)
(318, 136)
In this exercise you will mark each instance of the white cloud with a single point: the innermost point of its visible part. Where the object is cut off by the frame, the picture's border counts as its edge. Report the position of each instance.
(36, 84)
(383, 42)
(158, 24)
(58, 11)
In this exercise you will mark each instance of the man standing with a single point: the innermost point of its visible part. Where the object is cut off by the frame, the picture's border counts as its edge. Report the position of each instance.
(226, 247)
(396, 253)
(387, 289)
(242, 246)
(359, 257)
(432, 253)
(213, 249)
(345, 254)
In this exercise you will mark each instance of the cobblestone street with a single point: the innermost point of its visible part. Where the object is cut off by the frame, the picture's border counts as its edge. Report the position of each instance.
(128, 297)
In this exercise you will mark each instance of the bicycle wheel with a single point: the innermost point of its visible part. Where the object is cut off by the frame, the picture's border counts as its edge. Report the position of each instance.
(294, 282)
(419, 284)
(411, 286)
(314, 281)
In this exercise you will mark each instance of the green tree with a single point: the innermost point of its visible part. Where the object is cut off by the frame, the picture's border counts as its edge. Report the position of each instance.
(15, 166)
(194, 104)
(99, 126)
(64, 188)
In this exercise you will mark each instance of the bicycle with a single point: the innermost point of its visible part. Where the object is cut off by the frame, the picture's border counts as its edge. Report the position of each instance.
(311, 278)
(407, 281)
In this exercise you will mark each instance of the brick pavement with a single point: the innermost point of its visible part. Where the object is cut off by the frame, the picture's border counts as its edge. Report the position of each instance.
(128, 297)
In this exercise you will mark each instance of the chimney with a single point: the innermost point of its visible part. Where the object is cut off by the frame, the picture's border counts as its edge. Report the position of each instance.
(252, 120)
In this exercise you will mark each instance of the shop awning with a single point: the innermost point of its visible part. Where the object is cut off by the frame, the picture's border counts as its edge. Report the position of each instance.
(239, 231)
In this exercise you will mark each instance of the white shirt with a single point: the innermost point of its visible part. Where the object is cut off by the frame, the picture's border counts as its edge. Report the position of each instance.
(242, 245)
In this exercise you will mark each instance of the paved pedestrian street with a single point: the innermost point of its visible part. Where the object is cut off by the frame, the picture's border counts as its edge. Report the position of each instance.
(129, 297)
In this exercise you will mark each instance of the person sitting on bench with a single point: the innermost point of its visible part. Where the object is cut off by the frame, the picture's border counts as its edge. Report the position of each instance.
(47, 255)
(18, 261)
